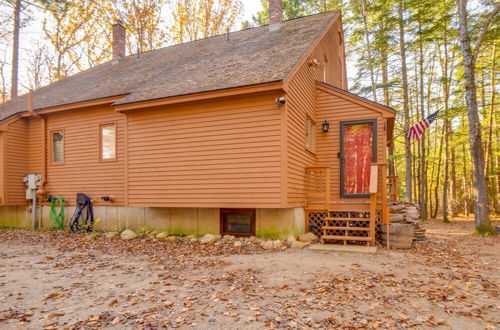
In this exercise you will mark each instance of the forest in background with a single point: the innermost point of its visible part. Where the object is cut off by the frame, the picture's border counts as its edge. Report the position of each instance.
(407, 54)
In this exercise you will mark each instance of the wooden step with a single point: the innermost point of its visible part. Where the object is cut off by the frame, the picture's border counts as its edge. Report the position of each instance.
(345, 228)
(346, 238)
(347, 219)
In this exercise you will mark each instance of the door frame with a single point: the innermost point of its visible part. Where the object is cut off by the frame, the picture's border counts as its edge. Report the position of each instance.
(341, 154)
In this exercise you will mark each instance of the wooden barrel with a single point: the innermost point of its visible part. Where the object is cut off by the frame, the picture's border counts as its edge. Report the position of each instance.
(401, 235)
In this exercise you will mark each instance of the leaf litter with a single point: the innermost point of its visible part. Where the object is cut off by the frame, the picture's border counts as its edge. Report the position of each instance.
(55, 279)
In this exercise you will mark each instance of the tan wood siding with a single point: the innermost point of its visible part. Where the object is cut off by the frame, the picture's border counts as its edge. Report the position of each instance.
(336, 110)
(331, 48)
(17, 161)
(35, 145)
(3, 162)
(221, 153)
(82, 169)
(301, 102)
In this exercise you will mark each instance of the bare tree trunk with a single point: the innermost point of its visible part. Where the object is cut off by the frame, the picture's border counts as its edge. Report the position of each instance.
(481, 211)
(432, 172)
(497, 175)
(15, 50)
(490, 155)
(446, 169)
(415, 146)
(447, 130)
(415, 171)
(387, 101)
(436, 189)
(423, 174)
(465, 192)
(362, 4)
(408, 160)
(428, 179)
(453, 181)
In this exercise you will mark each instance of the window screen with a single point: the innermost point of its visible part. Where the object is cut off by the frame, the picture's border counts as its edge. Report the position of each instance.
(57, 147)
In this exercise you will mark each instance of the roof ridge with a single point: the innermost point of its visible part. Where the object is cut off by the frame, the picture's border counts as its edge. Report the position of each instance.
(252, 56)
(232, 32)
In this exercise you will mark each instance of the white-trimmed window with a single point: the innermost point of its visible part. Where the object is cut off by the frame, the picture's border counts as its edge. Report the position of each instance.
(107, 141)
(57, 142)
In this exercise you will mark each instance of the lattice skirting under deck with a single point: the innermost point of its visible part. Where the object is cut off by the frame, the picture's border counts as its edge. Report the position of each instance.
(316, 221)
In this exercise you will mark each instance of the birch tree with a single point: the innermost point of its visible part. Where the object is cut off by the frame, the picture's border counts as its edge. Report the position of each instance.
(481, 211)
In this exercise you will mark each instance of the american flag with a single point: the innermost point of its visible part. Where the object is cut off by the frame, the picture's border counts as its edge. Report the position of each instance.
(418, 129)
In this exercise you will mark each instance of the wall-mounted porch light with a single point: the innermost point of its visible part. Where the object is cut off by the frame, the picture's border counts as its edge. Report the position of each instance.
(326, 126)
(280, 101)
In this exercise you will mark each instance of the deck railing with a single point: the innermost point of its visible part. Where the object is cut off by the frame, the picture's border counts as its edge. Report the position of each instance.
(382, 187)
(318, 185)
(378, 198)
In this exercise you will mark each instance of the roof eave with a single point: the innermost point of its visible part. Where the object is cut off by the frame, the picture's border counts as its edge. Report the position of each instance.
(201, 96)
(390, 112)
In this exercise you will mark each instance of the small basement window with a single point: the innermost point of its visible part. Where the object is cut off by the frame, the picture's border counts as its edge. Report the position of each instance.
(107, 133)
(58, 147)
(237, 222)
(310, 134)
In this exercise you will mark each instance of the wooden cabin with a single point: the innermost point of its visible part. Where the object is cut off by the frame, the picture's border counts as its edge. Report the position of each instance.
(248, 133)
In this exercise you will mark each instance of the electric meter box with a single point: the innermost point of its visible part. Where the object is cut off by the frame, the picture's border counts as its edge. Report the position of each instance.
(32, 182)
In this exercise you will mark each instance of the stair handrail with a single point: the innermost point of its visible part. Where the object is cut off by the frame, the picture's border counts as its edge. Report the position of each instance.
(378, 189)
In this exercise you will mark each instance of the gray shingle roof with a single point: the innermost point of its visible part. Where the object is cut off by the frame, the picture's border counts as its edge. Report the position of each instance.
(251, 56)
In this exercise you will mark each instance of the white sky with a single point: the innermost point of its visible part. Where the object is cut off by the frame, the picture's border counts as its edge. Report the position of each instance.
(250, 7)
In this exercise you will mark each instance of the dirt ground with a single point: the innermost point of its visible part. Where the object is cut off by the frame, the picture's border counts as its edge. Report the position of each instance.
(62, 280)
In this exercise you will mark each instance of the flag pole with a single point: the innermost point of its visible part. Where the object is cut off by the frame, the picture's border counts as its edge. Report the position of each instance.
(406, 133)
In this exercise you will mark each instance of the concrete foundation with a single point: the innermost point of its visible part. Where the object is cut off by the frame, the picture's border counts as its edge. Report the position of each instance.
(270, 223)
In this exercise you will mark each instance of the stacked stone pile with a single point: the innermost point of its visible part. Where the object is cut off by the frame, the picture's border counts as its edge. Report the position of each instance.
(408, 213)
(292, 241)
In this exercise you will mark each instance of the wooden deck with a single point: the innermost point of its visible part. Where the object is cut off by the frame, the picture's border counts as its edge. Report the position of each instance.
(345, 221)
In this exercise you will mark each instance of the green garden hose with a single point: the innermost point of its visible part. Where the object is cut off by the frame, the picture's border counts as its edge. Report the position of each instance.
(57, 218)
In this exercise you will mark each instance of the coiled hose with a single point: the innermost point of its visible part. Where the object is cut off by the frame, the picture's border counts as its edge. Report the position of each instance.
(57, 218)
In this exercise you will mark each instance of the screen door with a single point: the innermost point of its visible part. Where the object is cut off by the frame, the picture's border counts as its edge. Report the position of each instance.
(357, 153)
